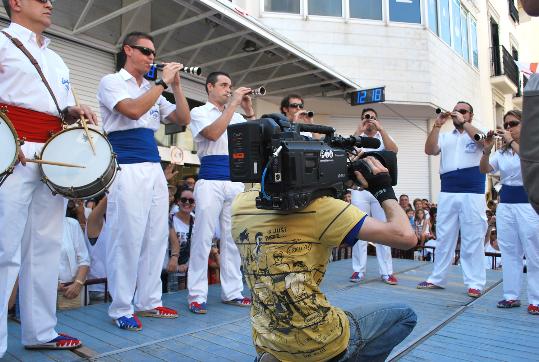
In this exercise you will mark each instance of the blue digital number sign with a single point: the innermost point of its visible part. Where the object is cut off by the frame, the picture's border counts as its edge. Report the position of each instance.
(366, 96)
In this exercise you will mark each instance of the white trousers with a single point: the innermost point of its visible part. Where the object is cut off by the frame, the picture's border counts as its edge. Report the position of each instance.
(31, 231)
(213, 205)
(467, 212)
(364, 201)
(137, 237)
(518, 235)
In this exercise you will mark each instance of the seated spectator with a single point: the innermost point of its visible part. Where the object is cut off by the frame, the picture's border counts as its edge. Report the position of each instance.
(76, 210)
(404, 202)
(189, 181)
(348, 196)
(491, 246)
(421, 227)
(173, 207)
(418, 204)
(425, 204)
(433, 217)
(176, 261)
(214, 263)
(410, 213)
(96, 244)
(74, 265)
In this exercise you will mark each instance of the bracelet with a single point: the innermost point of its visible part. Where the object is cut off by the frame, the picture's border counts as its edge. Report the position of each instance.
(248, 116)
(79, 282)
(175, 254)
(435, 126)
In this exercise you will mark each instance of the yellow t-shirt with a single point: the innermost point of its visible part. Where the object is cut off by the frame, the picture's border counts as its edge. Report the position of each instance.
(284, 257)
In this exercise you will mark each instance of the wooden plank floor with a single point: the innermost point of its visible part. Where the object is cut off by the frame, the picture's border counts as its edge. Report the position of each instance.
(224, 333)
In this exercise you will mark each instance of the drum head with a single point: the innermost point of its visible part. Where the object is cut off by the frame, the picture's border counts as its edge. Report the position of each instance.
(72, 146)
(8, 146)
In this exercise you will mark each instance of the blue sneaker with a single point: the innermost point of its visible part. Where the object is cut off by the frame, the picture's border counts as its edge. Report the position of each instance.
(198, 308)
(357, 277)
(508, 303)
(129, 323)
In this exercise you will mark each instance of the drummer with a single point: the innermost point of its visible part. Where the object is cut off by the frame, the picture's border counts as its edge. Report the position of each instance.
(31, 218)
(137, 210)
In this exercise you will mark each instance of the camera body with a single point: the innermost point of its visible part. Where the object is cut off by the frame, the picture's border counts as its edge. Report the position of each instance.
(292, 169)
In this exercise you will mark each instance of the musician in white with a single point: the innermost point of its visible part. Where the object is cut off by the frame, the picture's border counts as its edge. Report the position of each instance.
(31, 218)
(370, 126)
(516, 221)
(137, 205)
(461, 204)
(215, 192)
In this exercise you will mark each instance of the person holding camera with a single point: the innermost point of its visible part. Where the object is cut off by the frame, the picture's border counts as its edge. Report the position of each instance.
(516, 221)
(370, 126)
(461, 204)
(214, 191)
(285, 256)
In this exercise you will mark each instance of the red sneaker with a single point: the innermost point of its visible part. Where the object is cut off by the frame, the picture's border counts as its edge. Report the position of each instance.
(390, 279)
(533, 309)
(63, 341)
(474, 293)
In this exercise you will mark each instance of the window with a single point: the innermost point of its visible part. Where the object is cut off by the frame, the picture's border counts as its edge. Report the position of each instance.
(405, 11)
(445, 25)
(455, 26)
(433, 16)
(366, 9)
(325, 7)
(464, 34)
(473, 40)
(282, 6)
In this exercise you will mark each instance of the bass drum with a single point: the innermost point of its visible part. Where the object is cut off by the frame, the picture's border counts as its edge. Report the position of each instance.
(9, 148)
(72, 146)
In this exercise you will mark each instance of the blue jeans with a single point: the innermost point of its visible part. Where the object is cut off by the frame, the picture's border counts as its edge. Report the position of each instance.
(375, 329)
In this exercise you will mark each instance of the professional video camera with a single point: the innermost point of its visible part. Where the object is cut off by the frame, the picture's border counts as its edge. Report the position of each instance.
(294, 169)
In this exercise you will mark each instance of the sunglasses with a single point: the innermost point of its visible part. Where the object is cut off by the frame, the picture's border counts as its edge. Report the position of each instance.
(185, 200)
(462, 111)
(296, 105)
(510, 124)
(369, 117)
(143, 50)
(46, 1)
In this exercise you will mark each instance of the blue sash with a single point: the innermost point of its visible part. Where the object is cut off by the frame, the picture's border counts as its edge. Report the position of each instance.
(513, 195)
(134, 145)
(214, 167)
(465, 180)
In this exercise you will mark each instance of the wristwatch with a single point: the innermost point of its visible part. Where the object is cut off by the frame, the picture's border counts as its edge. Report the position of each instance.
(161, 82)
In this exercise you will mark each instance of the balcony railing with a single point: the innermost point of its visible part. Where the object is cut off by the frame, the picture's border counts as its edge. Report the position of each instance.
(502, 63)
(513, 11)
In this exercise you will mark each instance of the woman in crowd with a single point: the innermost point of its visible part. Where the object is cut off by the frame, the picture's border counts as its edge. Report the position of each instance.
(181, 227)
(516, 221)
(96, 238)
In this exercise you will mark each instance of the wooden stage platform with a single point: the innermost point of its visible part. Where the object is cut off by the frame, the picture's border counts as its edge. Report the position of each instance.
(451, 326)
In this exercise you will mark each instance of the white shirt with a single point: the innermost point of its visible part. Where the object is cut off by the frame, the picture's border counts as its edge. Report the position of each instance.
(458, 151)
(74, 251)
(20, 83)
(508, 163)
(203, 116)
(116, 87)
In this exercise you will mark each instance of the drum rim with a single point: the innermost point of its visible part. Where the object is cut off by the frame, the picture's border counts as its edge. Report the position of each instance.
(3, 115)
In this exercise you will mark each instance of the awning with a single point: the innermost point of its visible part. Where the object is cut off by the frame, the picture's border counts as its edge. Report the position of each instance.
(212, 34)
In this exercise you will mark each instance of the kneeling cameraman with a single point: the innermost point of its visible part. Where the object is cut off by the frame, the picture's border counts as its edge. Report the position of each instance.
(284, 257)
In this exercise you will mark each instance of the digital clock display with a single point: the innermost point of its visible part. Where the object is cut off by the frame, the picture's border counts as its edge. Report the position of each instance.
(366, 96)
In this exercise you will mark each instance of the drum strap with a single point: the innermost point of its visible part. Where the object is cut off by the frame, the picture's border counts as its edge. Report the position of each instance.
(34, 62)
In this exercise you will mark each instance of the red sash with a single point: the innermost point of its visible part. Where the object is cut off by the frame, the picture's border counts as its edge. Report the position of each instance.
(31, 125)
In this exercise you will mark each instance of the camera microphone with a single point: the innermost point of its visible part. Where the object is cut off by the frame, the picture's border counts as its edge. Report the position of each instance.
(368, 142)
(315, 128)
(357, 141)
